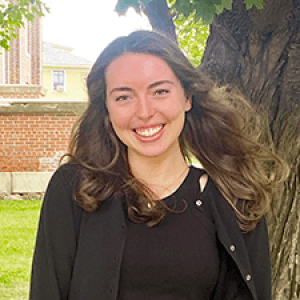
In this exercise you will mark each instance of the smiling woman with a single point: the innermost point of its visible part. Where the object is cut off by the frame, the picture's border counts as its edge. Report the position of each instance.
(146, 107)
(126, 218)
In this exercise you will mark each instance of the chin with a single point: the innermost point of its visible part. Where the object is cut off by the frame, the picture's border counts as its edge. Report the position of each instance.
(152, 152)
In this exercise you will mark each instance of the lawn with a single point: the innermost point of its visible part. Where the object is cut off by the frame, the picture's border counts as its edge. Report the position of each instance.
(18, 224)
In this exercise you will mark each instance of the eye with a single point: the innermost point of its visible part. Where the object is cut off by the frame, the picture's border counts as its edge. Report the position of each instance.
(122, 98)
(161, 92)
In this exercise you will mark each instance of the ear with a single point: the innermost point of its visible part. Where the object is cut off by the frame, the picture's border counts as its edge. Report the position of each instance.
(188, 103)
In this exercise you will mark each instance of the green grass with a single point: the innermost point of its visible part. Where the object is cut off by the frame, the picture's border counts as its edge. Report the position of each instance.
(18, 225)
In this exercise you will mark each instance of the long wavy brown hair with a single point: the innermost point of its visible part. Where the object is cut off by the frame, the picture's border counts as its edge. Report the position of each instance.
(222, 131)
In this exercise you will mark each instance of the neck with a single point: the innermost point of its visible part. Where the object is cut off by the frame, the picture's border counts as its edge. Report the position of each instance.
(162, 175)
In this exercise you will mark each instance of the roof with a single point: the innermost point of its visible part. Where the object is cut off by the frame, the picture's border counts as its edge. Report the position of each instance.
(61, 55)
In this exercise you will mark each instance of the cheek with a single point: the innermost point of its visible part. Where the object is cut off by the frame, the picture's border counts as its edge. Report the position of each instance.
(174, 111)
(119, 116)
(118, 120)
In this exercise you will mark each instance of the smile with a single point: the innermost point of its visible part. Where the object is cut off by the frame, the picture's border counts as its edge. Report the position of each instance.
(149, 131)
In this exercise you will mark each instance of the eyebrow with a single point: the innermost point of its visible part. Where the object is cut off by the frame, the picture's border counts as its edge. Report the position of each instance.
(160, 82)
(121, 88)
(152, 85)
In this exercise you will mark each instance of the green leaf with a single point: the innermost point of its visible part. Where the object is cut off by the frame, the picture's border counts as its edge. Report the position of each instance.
(11, 22)
(12, 16)
(4, 44)
(215, 2)
(146, 2)
(30, 17)
(258, 3)
(123, 5)
(219, 9)
(191, 36)
(207, 9)
(227, 4)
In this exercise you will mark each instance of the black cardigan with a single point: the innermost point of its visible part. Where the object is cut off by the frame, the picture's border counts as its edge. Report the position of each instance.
(78, 254)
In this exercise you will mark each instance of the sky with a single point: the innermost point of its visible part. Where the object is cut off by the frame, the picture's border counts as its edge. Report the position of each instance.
(88, 26)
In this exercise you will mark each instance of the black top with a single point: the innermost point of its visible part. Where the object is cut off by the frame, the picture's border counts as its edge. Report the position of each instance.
(78, 254)
(176, 259)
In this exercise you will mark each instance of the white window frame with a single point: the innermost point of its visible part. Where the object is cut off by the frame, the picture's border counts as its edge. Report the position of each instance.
(65, 81)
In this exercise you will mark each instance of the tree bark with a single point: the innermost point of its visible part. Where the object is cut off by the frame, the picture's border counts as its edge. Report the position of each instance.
(258, 52)
(160, 17)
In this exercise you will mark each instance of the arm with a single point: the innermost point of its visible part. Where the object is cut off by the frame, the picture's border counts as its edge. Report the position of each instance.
(56, 239)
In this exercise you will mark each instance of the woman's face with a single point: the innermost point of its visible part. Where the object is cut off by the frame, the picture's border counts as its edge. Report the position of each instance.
(146, 104)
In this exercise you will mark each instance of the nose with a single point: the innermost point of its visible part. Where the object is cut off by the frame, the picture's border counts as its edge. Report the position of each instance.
(145, 109)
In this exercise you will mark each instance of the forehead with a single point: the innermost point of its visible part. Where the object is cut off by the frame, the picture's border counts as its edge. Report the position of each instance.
(138, 68)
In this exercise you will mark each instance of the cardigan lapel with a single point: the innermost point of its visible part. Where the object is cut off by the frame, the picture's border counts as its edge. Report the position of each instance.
(229, 233)
(100, 249)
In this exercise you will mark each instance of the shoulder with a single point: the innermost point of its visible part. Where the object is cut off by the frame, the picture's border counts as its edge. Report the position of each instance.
(59, 202)
(63, 184)
(224, 214)
(69, 170)
(68, 174)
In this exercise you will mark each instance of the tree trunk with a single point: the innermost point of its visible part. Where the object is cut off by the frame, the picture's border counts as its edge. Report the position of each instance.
(258, 52)
(160, 17)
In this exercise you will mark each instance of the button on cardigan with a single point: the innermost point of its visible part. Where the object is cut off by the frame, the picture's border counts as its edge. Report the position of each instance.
(78, 254)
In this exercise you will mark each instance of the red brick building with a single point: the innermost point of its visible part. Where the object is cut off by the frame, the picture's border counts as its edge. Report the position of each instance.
(21, 67)
(34, 132)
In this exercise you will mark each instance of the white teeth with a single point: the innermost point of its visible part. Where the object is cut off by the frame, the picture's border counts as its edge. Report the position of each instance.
(150, 131)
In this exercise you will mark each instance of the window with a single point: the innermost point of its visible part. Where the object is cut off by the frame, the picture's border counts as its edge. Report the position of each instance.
(58, 81)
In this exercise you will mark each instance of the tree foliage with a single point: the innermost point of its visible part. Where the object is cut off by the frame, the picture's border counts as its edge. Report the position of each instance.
(191, 36)
(207, 9)
(200, 9)
(13, 15)
(191, 18)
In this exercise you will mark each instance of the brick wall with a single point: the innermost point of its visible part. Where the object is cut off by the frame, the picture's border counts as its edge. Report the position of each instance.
(34, 135)
(33, 142)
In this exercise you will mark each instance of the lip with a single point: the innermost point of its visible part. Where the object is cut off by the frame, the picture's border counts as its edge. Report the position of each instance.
(152, 138)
